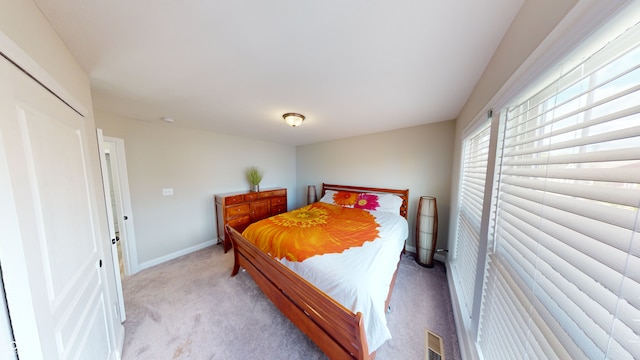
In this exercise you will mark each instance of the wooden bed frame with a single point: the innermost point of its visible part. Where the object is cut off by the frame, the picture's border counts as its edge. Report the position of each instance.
(337, 331)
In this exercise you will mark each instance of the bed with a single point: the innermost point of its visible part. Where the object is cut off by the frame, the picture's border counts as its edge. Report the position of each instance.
(345, 321)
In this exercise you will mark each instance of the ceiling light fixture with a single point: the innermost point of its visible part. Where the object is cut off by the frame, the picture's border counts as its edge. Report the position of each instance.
(293, 119)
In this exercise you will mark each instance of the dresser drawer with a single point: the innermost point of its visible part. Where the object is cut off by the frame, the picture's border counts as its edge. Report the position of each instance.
(278, 201)
(250, 196)
(282, 192)
(238, 210)
(230, 200)
(278, 209)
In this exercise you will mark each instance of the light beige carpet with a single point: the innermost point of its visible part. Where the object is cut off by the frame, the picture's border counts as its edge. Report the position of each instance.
(190, 308)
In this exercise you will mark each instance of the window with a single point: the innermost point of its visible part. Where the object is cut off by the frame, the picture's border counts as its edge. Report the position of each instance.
(472, 188)
(560, 259)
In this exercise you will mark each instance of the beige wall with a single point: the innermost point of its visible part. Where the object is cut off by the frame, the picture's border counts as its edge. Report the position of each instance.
(532, 24)
(196, 164)
(418, 158)
(23, 23)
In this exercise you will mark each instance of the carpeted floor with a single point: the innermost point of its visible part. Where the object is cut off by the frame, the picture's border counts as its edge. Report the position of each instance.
(190, 308)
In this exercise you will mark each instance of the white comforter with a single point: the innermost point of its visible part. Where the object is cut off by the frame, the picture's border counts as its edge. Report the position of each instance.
(359, 278)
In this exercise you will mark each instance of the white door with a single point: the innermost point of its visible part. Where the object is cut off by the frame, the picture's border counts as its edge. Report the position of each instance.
(115, 258)
(123, 213)
(7, 347)
(50, 249)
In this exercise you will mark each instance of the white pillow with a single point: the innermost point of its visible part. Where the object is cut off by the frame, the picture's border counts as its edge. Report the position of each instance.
(389, 202)
(367, 201)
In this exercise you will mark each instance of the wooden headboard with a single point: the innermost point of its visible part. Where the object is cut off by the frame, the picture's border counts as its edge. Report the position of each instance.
(403, 193)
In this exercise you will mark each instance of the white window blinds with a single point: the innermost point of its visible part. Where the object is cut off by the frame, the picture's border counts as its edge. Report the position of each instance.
(474, 169)
(563, 279)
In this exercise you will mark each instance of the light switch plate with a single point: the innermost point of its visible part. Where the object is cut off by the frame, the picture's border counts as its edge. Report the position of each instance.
(167, 191)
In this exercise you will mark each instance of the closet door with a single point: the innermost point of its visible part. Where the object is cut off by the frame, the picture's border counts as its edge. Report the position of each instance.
(7, 347)
(51, 252)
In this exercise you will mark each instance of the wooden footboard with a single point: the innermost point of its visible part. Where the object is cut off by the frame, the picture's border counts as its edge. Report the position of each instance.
(337, 331)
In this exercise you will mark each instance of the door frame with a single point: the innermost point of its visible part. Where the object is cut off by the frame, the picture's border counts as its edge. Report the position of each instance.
(115, 147)
(106, 188)
(7, 341)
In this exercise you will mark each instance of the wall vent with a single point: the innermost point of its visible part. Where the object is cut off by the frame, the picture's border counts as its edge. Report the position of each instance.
(435, 348)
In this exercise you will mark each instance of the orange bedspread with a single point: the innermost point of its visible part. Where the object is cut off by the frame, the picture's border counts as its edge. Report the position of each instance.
(315, 229)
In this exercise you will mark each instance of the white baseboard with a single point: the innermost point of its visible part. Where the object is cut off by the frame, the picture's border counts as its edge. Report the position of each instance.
(439, 255)
(176, 254)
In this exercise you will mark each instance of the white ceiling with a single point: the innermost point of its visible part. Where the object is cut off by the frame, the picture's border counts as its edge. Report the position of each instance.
(234, 67)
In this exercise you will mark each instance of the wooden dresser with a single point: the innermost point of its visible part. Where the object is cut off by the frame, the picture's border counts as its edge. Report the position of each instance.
(239, 209)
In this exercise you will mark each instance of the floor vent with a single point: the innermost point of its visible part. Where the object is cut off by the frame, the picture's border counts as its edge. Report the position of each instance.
(435, 348)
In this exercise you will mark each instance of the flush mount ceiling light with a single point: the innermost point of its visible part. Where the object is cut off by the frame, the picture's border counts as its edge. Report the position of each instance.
(293, 119)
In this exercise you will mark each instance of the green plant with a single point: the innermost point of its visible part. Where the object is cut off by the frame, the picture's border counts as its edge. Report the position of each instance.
(254, 175)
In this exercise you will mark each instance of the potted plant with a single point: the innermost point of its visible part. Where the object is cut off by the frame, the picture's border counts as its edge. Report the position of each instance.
(254, 176)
